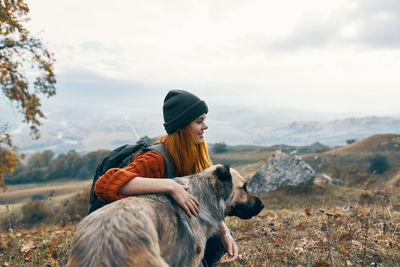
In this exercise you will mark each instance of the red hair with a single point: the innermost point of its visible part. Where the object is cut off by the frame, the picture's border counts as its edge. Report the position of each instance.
(187, 157)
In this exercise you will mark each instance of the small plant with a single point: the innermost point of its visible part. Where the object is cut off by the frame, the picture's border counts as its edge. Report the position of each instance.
(35, 212)
(76, 209)
(378, 164)
(366, 199)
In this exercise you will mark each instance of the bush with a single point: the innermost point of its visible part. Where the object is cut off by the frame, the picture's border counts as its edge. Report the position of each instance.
(37, 197)
(76, 209)
(219, 148)
(148, 140)
(366, 199)
(35, 212)
(378, 164)
(10, 220)
(350, 141)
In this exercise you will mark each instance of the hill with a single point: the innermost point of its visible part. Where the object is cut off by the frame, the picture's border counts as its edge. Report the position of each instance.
(383, 143)
(352, 163)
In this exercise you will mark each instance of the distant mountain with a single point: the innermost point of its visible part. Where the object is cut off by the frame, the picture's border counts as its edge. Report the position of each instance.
(383, 143)
(336, 132)
(92, 128)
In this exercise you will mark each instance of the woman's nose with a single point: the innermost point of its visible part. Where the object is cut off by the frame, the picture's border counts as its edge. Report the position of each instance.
(205, 126)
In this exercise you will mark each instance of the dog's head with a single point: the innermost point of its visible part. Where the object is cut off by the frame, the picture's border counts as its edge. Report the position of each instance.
(232, 187)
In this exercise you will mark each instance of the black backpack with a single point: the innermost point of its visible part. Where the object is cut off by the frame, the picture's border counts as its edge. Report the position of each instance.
(119, 158)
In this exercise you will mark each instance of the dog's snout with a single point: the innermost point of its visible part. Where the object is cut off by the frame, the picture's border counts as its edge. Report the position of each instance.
(259, 204)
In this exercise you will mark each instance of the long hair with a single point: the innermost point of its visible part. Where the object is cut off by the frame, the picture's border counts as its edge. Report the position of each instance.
(187, 156)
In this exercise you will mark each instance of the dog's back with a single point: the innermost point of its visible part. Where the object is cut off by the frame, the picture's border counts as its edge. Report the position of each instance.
(118, 235)
(129, 233)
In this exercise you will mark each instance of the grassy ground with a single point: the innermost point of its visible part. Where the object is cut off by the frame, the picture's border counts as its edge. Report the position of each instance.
(57, 193)
(362, 236)
(320, 225)
(298, 227)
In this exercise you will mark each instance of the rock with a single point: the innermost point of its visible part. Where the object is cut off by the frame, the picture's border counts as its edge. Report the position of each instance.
(323, 178)
(281, 170)
(337, 182)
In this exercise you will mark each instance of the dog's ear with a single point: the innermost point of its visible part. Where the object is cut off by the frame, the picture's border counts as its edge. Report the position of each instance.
(223, 173)
(223, 181)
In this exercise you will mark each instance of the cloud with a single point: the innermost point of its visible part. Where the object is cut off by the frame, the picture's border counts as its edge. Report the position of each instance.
(310, 36)
(380, 23)
(87, 88)
(368, 23)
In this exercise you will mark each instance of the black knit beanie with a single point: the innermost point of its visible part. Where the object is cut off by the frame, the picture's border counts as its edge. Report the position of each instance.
(181, 108)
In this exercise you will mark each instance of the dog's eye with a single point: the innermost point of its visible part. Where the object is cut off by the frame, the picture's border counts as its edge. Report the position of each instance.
(244, 188)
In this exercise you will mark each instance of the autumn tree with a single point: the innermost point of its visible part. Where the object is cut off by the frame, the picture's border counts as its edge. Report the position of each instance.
(19, 52)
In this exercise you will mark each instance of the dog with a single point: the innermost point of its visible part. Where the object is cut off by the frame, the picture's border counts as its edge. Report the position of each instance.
(153, 230)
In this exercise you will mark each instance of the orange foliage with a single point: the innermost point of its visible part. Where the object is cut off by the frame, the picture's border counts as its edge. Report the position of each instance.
(17, 49)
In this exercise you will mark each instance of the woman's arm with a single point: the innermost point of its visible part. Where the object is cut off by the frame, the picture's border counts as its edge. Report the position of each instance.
(140, 185)
(132, 180)
(228, 242)
(149, 164)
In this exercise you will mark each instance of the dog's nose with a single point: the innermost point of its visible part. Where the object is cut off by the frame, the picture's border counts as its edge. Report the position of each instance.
(260, 204)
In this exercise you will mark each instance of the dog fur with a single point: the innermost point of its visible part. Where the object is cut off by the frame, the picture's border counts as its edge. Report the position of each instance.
(153, 230)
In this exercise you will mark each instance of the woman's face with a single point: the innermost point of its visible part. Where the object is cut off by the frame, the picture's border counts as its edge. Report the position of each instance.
(198, 127)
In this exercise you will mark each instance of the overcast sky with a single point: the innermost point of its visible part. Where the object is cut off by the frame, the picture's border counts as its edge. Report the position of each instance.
(317, 55)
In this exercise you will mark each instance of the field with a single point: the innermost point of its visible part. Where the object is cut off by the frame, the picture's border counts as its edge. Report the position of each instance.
(56, 192)
(318, 225)
(322, 225)
(361, 236)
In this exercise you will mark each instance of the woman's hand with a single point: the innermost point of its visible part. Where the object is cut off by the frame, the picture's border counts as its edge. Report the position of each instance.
(188, 202)
(229, 243)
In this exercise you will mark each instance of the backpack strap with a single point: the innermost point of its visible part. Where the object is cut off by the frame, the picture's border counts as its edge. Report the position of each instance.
(169, 172)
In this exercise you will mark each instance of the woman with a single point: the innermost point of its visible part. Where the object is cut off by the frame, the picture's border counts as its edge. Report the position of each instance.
(184, 145)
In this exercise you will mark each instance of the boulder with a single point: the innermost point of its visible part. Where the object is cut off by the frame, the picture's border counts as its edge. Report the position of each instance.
(281, 170)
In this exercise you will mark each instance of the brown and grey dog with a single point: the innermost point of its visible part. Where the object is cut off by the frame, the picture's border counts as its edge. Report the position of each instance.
(152, 230)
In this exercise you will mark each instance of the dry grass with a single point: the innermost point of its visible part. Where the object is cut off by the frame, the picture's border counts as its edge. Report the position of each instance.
(56, 193)
(235, 159)
(372, 144)
(21, 193)
(43, 246)
(361, 236)
(308, 233)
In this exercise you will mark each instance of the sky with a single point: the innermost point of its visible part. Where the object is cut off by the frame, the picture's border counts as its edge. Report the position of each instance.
(338, 56)
(253, 62)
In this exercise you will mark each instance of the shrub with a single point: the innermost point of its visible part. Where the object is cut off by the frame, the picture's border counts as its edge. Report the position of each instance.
(350, 141)
(366, 199)
(76, 209)
(10, 220)
(378, 163)
(219, 148)
(148, 140)
(37, 197)
(35, 212)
